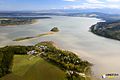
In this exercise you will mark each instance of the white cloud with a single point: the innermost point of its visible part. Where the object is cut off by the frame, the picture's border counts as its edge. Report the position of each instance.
(113, 0)
(94, 1)
(85, 6)
(93, 6)
(71, 0)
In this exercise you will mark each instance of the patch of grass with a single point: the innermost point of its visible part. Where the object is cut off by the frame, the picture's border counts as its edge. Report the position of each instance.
(21, 64)
(35, 69)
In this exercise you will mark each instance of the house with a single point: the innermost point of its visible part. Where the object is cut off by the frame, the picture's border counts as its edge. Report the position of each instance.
(31, 52)
(42, 47)
(70, 72)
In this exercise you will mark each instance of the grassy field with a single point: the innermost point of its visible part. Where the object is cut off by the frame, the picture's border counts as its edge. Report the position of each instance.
(35, 69)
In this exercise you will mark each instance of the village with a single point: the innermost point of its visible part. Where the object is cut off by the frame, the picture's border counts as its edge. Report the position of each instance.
(67, 61)
(34, 53)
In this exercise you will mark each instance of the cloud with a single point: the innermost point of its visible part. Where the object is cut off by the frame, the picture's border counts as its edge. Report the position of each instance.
(96, 4)
(71, 0)
(94, 1)
(113, 0)
(93, 6)
(85, 6)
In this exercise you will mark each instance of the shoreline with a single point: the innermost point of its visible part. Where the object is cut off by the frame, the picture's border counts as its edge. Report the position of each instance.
(84, 56)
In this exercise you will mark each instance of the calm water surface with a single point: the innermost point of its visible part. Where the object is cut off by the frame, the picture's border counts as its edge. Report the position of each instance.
(74, 35)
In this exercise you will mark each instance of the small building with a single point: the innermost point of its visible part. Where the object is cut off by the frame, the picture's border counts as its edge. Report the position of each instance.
(31, 52)
(42, 47)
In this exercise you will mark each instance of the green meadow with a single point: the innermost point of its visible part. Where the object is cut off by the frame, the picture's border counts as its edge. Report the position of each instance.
(35, 69)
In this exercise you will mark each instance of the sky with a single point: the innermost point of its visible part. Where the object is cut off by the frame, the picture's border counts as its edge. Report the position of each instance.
(13, 5)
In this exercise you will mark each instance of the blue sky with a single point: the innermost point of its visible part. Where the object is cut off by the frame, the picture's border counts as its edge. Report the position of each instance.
(58, 4)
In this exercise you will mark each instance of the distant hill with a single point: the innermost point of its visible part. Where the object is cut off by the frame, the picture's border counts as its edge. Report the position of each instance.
(75, 13)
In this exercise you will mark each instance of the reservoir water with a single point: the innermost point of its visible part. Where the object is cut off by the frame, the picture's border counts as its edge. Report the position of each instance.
(74, 35)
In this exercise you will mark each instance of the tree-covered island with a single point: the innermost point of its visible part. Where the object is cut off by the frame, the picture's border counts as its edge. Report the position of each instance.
(55, 29)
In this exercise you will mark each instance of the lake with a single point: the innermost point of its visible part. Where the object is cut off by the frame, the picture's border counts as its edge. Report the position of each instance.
(74, 35)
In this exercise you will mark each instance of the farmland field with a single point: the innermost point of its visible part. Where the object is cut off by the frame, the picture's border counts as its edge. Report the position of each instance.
(35, 69)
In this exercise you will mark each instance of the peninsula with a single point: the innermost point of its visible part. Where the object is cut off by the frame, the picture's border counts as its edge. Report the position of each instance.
(7, 22)
(107, 29)
(11, 21)
(45, 59)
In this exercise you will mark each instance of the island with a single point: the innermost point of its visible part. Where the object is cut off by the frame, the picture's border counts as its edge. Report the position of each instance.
(55, 29)
(107, 29)
(52, 31)
(44, 61)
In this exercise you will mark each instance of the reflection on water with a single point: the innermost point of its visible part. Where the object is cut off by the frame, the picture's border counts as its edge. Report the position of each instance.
(73, 35)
